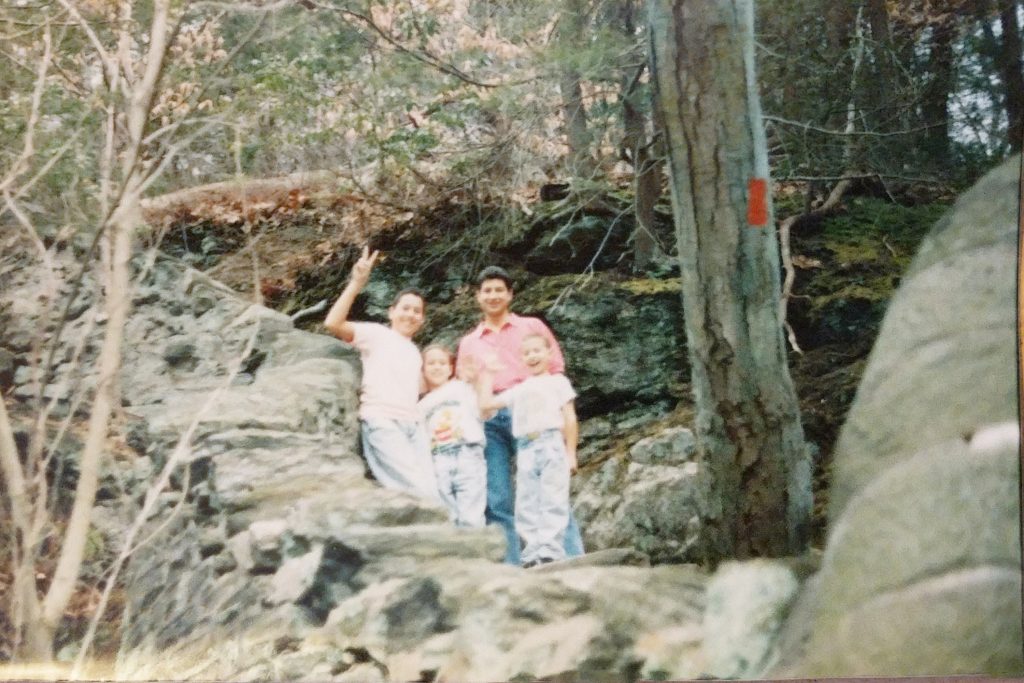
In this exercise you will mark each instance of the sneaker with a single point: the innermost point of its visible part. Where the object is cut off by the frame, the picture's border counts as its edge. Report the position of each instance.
(538, 562)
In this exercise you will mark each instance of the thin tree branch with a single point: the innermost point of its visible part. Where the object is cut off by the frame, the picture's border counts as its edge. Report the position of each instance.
(420, 56)
(831, 202)
(182, 450)
(847, 133)
(16, 491)
(28, 146)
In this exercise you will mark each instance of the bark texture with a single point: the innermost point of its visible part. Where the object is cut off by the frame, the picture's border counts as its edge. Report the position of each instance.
(1011, 71)
(747, 420)
(638, 145)
(935, 98)
(574, 112)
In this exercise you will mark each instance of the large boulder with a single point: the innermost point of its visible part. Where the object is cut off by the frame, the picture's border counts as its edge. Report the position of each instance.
(652, 497)
(922, 570)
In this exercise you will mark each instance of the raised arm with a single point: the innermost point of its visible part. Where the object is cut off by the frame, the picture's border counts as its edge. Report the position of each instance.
(337, 322)
(571, 432)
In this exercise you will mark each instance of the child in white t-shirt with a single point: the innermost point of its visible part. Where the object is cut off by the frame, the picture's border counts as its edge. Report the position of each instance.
(452, 417)
(546, 432)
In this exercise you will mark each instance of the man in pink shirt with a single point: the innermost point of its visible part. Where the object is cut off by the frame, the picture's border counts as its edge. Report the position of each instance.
(500, 334)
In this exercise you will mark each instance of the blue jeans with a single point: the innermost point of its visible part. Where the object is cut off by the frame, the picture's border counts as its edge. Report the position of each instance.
(398, 455)
(462, 482)
(498, 451)
(542, 496)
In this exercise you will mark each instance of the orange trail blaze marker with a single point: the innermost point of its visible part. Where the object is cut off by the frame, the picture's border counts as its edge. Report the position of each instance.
(757, 202)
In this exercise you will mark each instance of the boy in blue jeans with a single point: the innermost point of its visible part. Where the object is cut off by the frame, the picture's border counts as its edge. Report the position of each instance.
(546, 432)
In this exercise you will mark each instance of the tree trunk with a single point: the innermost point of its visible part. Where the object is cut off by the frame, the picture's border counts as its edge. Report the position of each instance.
(881, 36)
(935, 98)
(646, 168)
(840, 16)
(573, 111)
(885, 95)
(749, 435)
(37, 636)
(1009, 60)
(647, 191)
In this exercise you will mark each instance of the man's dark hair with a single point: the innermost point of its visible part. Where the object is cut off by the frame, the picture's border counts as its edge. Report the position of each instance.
(494, 273)
(409, 290)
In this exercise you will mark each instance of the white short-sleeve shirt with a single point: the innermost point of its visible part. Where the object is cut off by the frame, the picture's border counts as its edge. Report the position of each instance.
(536, 403)
(391, 373)
(452, 415)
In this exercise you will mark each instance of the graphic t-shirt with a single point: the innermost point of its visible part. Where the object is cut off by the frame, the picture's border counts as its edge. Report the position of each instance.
(452, 415)
(536, 403)
(391, 373)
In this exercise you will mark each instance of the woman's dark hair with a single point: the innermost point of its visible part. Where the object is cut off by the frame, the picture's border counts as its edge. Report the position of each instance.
(409, 290)
(494, 273)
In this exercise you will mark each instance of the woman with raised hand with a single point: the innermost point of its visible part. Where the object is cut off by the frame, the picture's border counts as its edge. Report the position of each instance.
(394, 442)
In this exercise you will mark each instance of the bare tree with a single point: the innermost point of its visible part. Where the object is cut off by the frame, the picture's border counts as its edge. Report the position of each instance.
(137, 130)
(747, 418)
(131, 87)
(640, 146)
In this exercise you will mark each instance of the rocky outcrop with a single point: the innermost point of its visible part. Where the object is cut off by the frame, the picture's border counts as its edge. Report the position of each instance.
(271, 555)
(922, 570)
(652, 497)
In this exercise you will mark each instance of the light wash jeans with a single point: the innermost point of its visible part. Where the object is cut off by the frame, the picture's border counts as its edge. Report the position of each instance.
(462, 482)
(499, 450)
(399, 456)
(542, 495)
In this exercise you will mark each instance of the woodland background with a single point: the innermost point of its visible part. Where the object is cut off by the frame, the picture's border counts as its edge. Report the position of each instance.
(265, 141)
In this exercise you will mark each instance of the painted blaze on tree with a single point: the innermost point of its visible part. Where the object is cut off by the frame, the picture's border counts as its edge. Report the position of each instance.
(748, 424)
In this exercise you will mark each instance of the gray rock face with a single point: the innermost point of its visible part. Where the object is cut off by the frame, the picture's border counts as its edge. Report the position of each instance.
(627, 343)
(272, 555)
(652, 499)
(922, 571)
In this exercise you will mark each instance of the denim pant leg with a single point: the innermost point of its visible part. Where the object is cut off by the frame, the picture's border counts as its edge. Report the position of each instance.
(498, 452)
(573, 538)
(542, 497)
(399, 457)
(469, 484)
(444, 469)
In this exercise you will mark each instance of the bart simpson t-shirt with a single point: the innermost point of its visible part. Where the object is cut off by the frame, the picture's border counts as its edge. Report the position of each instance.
(452, 415)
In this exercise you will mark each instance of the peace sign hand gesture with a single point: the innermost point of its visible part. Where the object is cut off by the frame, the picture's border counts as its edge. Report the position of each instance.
(361, 270)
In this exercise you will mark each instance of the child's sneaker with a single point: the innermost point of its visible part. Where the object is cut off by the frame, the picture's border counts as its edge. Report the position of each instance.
(538, 563)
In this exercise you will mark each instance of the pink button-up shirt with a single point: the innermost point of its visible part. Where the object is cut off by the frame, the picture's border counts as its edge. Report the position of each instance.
(506, 343)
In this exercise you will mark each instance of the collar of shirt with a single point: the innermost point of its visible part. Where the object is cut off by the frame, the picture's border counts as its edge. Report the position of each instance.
(513, 320)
